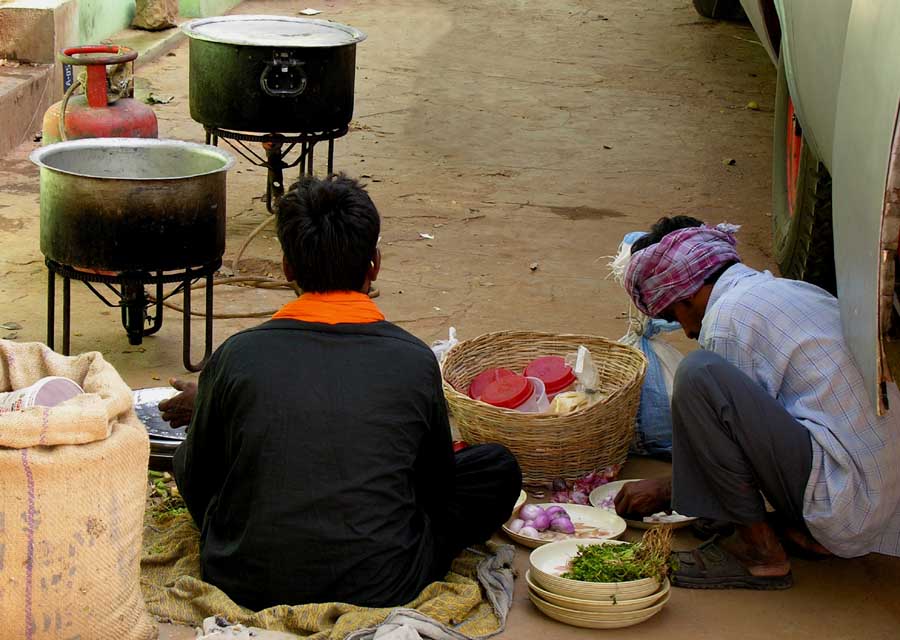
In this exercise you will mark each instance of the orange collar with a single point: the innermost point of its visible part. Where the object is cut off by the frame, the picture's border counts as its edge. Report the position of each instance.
(334, 307)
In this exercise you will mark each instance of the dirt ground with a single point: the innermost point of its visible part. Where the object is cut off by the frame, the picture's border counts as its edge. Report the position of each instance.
(515, 133)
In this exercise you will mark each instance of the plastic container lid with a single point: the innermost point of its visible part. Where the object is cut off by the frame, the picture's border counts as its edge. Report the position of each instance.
(483, 379)
(508, 392)
(554, 371)
(55, 390)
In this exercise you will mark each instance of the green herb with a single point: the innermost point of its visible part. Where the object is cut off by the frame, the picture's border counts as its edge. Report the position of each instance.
(648, 558)
(164, 499)
(170, 513)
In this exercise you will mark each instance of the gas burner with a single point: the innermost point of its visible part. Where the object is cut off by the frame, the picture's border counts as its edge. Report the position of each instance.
(277, 147)
(130, 294)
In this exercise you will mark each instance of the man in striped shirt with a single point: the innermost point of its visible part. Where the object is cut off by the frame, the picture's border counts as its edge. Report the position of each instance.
(772, 406)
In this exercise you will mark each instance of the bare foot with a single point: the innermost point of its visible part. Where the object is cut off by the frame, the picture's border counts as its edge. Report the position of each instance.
(757, 548)
(806, 542)
(799, 538)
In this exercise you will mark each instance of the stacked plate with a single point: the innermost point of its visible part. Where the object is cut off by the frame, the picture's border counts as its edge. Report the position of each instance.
(163, 438)
(594, 605)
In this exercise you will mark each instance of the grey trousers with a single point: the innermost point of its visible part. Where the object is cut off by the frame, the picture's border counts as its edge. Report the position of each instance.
(731, 442)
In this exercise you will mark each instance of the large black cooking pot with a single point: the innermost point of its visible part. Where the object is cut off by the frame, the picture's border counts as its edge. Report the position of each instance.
(272, 74)
(132, 204)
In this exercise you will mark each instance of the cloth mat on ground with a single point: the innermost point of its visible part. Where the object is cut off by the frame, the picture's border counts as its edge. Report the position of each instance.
(472, 601)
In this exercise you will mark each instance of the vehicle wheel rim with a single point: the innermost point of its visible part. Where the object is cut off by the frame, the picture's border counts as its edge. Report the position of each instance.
(794, 145)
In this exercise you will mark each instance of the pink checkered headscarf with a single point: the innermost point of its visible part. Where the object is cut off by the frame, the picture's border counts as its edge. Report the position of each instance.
(675, 268)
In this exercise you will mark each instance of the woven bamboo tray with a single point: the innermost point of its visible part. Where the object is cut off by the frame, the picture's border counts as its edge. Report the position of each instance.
(548, 446)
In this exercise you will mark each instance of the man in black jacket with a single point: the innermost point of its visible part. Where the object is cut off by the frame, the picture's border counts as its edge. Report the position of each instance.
(318, 463)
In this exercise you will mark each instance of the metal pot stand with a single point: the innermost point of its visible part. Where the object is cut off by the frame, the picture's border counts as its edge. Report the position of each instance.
(276, 153)
(126, 218)
(135, 303)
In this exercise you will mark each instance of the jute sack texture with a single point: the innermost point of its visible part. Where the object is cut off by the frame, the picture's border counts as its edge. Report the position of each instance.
(72, 495)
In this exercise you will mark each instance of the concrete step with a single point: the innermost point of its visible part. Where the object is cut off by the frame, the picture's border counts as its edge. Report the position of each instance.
(27, 89)
(32, 32)
(25, 93)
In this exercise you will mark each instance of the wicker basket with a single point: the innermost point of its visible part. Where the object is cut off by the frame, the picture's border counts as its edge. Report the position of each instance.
(548, 446)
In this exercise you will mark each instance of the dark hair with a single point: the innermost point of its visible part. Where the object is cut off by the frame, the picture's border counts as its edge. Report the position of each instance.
(328, 229)
(662, 228)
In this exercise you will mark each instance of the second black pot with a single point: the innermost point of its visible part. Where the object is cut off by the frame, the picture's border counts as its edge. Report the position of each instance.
(272, 74)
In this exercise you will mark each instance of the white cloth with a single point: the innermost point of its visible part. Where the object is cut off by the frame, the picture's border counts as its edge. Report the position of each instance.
(787, 336)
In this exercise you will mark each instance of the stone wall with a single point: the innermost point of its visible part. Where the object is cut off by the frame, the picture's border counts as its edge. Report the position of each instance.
(203, 8)
(99, 19)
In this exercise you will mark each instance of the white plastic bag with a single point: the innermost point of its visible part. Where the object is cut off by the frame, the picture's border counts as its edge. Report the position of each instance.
(441, 347)
(585, 372)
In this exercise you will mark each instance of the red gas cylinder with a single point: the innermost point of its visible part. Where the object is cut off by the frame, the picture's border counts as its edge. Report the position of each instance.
(106, 109)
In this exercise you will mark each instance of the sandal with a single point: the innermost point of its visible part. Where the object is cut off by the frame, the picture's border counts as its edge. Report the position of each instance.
(705, 528)
(709, 566)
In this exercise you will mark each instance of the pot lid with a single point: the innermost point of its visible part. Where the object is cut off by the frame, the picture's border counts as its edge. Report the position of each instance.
(273, 31)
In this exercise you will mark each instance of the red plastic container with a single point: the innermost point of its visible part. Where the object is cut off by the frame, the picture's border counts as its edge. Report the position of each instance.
(485, 378)
(508, 392)
(459, 445)
(555, 373)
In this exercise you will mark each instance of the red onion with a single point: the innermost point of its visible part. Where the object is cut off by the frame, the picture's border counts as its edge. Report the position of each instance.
(516, 525)
(555, 509)
(529, 532)
(541, 522)
(580, 497)
(530, 511)
(563, 525)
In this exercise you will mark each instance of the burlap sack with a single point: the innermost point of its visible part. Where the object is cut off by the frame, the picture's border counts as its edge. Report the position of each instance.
(155, 15)
(72, 496)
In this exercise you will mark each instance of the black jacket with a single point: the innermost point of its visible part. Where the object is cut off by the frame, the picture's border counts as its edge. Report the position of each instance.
(319, 465)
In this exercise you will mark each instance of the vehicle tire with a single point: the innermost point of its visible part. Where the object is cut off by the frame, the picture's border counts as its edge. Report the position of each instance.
(720, 9)
(803, 240)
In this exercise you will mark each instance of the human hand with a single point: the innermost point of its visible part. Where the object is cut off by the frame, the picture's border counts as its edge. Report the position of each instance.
(178, 409)
(644, 497)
